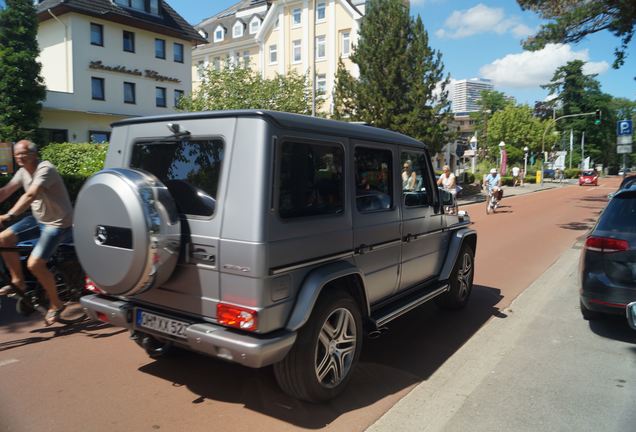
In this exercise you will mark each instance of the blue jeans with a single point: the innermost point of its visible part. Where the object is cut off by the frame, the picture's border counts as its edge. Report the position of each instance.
(48, 237)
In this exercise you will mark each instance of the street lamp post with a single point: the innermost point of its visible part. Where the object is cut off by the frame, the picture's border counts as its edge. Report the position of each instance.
(473, 147)
(501, 147)
(525, 163)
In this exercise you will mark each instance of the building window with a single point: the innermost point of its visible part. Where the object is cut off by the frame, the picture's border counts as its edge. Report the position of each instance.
(296, 17)
(321, 47)
(97, 88)
(216, 63)
(321, 84)
(98, 137)
(200, 68)
(246, 58)
(219, 34)
(129, 41)
(129, 93)
(273, 54)
(296, 51)
(53, 135)
(160, 49)
(237, 30)
(97, 34)
(320, 11)
(178, 94)
(255, 25)
(346, 44)
(160, 97)
(148, 6)
(178, 52)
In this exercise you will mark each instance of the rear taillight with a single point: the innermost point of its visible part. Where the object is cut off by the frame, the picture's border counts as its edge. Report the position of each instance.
(606, 244)
(90, 286)
(236, 316)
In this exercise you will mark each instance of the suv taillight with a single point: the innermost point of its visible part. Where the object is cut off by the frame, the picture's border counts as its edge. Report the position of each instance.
(90, 286)
(606, 244)
(236, 316)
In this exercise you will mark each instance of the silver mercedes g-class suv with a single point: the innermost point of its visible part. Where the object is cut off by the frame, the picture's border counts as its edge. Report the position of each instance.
(267, 238)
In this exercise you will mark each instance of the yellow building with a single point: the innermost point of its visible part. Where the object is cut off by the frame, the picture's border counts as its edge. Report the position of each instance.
(106, 60)
(278, 36)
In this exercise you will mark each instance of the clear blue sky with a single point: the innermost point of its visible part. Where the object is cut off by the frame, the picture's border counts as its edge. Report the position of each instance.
(483, 39)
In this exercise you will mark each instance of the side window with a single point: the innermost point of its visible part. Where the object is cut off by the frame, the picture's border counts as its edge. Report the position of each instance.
(190, 169)
(414, 179)
(374, 174)
(311, 180)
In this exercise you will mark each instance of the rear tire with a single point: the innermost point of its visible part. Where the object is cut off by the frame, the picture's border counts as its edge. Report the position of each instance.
(461, 281)
(319, 365)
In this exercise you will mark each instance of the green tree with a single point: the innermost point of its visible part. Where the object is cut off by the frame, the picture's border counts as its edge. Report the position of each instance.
(234, 87)
(490, 102)
(517, 127)
(21, 86)
(578, 93)
(573, 20)
(400, 76)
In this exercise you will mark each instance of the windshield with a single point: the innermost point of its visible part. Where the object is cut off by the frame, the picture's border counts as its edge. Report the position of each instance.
(190, 169)
(589, 173)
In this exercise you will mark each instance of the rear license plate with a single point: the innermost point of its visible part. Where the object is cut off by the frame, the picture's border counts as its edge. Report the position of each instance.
(161, 324)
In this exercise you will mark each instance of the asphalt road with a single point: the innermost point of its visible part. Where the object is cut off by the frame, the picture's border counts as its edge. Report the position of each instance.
(91, 377)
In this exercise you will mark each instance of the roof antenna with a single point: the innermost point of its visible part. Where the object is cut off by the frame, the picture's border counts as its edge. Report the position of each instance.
(176, 130)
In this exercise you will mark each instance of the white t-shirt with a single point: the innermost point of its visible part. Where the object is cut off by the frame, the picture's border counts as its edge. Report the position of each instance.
(515, 171)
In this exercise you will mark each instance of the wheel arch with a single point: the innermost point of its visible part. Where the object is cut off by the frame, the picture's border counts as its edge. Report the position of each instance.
(337, 275)
(457, 240)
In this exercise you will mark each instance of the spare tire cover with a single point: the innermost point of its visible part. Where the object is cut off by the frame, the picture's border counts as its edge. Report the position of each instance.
(126, 230)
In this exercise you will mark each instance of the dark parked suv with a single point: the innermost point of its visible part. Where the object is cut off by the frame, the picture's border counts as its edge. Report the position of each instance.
(608, 260)
(267, 238)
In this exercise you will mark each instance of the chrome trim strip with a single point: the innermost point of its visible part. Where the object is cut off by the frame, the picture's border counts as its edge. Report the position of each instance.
(279, 270)
(410, 306)
(385, 245)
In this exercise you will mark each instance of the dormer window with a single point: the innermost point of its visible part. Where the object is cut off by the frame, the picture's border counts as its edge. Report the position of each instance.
(237, 30)
(219, 34)
(255, 25)
(148, 6)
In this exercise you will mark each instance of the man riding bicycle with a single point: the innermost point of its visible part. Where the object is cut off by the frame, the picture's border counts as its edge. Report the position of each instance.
(50, 222)
(492, 183)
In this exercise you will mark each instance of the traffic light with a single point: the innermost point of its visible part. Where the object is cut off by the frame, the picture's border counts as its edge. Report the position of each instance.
(597, 117)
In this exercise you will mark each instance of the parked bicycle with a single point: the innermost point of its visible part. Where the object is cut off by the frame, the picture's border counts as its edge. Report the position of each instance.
(69, 281)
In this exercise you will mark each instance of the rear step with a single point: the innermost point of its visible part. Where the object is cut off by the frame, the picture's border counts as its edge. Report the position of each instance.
(407, 303)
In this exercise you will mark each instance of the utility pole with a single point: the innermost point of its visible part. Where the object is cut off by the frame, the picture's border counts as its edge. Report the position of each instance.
(312, 41)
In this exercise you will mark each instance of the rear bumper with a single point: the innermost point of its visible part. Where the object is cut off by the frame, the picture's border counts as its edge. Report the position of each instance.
(249, 350)
(599, 294)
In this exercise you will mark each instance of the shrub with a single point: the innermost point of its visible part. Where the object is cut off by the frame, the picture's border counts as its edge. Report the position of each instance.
(571, 172)
(75, 159)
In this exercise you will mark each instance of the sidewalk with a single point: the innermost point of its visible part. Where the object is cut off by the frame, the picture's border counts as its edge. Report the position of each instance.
(539, 367)
(512, 191)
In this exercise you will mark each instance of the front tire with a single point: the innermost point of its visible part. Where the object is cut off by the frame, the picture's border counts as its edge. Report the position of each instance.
(319, 365)
(461, 281)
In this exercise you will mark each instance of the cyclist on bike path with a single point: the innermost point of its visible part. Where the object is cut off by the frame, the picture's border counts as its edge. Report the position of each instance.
(492, 181)
(50, 222)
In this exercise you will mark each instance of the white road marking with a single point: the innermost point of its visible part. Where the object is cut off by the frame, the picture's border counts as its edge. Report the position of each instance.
(8, 362)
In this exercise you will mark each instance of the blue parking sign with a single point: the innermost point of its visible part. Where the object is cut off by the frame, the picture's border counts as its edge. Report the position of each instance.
(624, 127)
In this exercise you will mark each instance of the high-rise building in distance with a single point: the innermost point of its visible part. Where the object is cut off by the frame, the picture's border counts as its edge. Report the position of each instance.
(465, 94)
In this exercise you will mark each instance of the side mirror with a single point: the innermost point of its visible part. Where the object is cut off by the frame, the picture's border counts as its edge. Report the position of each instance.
(631, 314)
